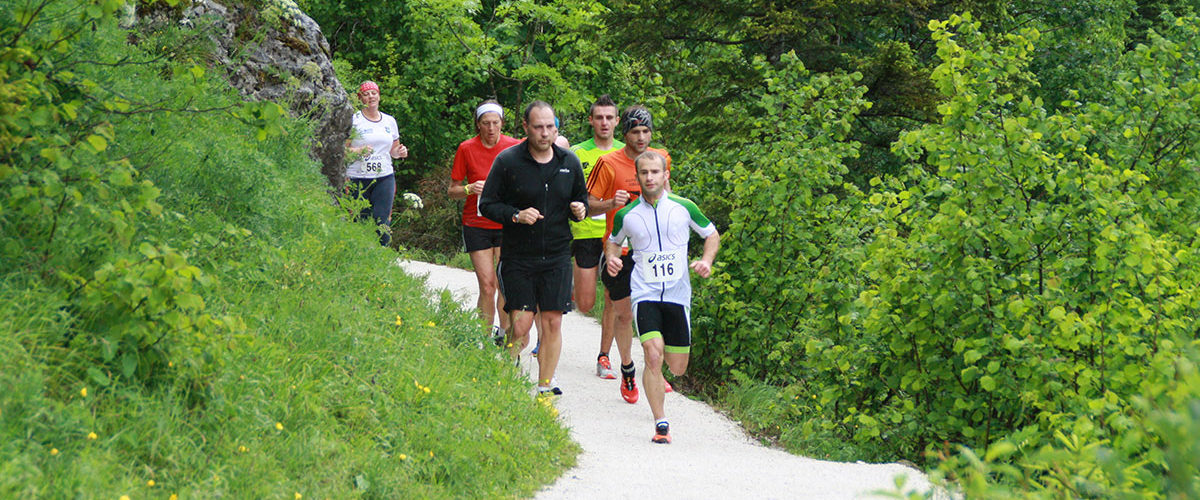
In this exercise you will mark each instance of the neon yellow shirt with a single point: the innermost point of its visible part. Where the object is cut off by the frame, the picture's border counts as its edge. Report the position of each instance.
(588, 153)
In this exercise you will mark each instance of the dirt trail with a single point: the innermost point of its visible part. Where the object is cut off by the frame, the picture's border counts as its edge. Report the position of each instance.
(709, 457)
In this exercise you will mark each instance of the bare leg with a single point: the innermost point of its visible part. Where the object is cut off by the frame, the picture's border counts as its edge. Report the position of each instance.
(485, 275)
(606, 324)
(518, 335)
(585, 290)
(550, 334)
(652, 377)
(623, 328)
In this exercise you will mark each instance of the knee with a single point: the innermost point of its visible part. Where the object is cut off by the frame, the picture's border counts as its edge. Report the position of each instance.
(488, 286)
(585, 305)
(624, 317)
(653, 357)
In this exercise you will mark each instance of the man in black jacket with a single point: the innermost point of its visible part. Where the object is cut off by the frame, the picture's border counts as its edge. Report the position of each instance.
(534, 188)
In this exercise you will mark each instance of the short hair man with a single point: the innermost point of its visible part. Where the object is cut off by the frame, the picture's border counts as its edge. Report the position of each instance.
(612, 184)
(656, 226)
(588, 246)
(534, 190)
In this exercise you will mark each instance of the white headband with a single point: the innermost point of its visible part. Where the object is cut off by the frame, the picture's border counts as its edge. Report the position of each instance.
(489, 107)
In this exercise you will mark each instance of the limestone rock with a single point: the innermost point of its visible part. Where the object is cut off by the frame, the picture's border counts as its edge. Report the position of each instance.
(279, 54)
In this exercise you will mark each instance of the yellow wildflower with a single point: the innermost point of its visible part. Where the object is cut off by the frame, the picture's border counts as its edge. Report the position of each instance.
(83, 392)
(92, 435)
(399, 322)
(299, 496)
(124, 497)
(170, 364)
(278, 426)
(174, 497)
(403, 457)
(430, 324)
(426, 389)
(243, 449)
(430, 453)
(150, 483)
(53, 451)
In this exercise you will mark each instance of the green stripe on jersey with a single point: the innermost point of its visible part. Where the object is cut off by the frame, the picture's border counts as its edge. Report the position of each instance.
(619, 219)
(693, 210)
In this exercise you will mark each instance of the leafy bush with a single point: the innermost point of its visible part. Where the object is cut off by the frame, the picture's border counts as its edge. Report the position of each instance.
(1029, 280)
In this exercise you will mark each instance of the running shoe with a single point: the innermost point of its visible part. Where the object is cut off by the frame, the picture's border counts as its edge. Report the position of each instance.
(497, 336)
(549, 391)
(535, 349)
(662, 434)
(629, 389)
(667, 387)
(604, 369)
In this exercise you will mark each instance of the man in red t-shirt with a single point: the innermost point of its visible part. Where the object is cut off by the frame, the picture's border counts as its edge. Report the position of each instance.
(612, 184)
(472, 164)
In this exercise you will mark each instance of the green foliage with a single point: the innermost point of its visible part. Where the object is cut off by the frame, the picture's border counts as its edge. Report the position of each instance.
(791, 232)
(1025, 287)
(180, 304)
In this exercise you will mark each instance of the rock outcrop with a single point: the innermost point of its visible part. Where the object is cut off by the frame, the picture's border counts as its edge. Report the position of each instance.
(279, 54)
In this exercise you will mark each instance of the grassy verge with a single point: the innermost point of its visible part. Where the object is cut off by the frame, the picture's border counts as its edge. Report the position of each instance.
(291, 358)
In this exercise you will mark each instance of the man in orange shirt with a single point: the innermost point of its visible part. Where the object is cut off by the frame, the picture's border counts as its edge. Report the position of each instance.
(612, 184)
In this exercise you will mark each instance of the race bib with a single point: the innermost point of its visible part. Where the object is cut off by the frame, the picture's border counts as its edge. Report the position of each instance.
(662, 267)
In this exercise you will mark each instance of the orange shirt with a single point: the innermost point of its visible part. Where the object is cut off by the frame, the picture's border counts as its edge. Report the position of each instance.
(473, 162)
(614, 171)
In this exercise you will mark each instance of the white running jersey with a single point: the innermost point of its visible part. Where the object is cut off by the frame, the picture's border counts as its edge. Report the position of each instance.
(379, 135)
(658, 239)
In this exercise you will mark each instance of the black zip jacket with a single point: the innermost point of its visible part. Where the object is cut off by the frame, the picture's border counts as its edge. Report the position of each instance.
(517, 182)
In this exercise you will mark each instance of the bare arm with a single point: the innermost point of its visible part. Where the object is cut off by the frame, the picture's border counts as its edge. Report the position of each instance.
(612, 257)
(596, 206)
(461, 191)
(703, 266)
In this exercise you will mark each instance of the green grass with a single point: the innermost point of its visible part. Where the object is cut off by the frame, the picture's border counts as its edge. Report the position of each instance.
(312, 366)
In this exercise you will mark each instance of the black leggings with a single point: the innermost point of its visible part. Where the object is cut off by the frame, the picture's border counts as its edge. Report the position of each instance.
(380, 192)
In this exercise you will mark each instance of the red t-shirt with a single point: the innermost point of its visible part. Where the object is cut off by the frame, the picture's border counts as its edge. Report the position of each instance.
(473, 162)
(615, 171)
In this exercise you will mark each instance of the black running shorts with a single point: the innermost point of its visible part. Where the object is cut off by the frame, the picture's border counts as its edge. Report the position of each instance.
(587, 252)
(475, 238)
(536, 284)
(618, 286)
(668, 320)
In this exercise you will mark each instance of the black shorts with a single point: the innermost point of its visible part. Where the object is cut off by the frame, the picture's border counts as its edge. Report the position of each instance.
(477, 238)
(668, 320)
(536, 284)
(618, 286)
(587, 252)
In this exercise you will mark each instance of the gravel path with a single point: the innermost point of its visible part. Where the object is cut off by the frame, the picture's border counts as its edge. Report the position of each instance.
(709, 457)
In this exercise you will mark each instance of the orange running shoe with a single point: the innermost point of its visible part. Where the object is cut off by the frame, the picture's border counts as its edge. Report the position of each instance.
(629, 389)
(662, 433)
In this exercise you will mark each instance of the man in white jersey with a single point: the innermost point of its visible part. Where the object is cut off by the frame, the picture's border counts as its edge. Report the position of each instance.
(657, 226)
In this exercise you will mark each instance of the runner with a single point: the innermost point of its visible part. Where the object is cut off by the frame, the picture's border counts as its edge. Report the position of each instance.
(535, 189)
(561, 140)
(656, 226)
(612, 184)
(375, 142)
(588, 246)
(481, 237)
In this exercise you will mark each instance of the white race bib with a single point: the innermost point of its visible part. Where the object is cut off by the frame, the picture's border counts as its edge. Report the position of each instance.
(662, 267)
